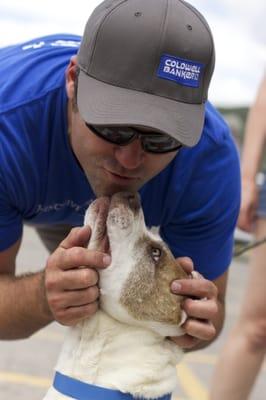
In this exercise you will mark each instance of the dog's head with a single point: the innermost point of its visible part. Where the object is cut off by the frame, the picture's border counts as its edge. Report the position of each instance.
(135, 288)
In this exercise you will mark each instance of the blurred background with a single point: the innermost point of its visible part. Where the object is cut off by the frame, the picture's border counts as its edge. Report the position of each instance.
(238, 28)
(26, 366)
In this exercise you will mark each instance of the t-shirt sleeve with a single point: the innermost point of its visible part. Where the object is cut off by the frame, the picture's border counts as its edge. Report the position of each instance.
(10, 220)
(202, 225)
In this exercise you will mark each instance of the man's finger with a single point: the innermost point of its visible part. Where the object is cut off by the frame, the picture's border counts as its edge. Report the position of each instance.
(186, 263)
(77, 237)
(203, 330)
(185, 341)
(77, 257)
(74, 298)
(74, 279)
(72, 315)
(199, 288)
(200, 309)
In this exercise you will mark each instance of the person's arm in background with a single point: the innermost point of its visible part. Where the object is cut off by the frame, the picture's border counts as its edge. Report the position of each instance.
(253, 147)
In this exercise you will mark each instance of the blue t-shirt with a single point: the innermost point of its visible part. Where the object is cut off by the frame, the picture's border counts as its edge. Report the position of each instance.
(194, 200)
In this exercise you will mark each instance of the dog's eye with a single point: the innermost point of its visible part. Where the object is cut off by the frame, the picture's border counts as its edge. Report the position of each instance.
(156, 253)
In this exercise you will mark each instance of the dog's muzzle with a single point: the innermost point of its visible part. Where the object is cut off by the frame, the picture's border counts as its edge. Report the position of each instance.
(129, 199)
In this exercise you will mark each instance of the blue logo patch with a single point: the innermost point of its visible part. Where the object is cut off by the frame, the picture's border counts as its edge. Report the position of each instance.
(184, 72)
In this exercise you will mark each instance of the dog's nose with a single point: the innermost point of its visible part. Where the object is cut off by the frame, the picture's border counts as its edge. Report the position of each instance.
(130, 198)
(134, 200)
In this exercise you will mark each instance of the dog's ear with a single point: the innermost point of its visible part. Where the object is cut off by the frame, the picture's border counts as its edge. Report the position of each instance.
(95, 217)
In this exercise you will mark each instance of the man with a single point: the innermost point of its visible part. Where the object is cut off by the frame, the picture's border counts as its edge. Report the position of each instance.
(130, 113)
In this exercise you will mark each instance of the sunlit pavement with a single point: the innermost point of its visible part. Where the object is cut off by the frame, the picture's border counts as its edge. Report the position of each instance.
(26, 366)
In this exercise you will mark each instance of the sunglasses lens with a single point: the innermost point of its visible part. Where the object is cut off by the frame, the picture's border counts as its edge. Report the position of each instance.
(117, 135)
(151, 142)
(160, 143)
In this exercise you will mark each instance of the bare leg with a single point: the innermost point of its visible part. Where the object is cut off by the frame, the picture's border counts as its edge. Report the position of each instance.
(243, 354)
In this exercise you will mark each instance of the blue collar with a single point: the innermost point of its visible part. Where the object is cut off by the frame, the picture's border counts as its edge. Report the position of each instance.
(84, 391)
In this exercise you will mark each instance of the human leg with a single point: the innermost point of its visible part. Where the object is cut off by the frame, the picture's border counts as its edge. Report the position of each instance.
(243, 354)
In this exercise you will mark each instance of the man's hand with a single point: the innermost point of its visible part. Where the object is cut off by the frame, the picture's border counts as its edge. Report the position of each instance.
(71, 278)
(201, 307)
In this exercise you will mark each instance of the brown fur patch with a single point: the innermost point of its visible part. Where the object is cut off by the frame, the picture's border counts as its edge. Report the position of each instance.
(146, 293)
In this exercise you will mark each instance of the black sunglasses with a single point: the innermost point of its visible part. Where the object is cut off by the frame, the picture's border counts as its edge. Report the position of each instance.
(151, 142)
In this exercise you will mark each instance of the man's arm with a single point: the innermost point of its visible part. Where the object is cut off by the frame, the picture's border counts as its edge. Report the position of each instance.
(21, 299)
(205, 307)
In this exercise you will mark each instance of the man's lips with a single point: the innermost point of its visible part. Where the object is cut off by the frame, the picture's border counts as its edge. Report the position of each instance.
(115, 175)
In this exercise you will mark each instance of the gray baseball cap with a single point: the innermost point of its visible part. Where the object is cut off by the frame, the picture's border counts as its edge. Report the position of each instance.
(146, 63)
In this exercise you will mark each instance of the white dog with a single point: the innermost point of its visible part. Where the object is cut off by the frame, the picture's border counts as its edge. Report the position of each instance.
(123, 352)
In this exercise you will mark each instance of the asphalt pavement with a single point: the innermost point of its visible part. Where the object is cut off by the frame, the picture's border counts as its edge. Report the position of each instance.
(26, 366)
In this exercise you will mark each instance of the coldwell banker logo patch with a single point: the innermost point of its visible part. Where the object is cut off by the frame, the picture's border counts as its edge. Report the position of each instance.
(184, 72)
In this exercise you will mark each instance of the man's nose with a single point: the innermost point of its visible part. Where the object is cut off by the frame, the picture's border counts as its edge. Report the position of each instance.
(130, 156)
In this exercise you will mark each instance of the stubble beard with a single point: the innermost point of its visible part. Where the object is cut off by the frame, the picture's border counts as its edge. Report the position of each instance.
(99, 182)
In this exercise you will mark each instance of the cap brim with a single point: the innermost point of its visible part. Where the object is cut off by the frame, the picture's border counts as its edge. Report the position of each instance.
(102, 104)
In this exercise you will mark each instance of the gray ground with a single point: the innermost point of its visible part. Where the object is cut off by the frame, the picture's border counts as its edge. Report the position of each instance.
(26, 366)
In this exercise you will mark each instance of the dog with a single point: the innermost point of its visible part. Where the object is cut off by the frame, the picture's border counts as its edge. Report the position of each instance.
(124, 350)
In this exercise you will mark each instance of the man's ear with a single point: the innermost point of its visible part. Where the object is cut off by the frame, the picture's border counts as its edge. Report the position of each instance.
(70, 77)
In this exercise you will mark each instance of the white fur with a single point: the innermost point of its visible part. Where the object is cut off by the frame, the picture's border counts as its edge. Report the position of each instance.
(99, 353)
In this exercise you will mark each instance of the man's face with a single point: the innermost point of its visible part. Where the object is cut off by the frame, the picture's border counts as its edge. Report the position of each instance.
(111, 168)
